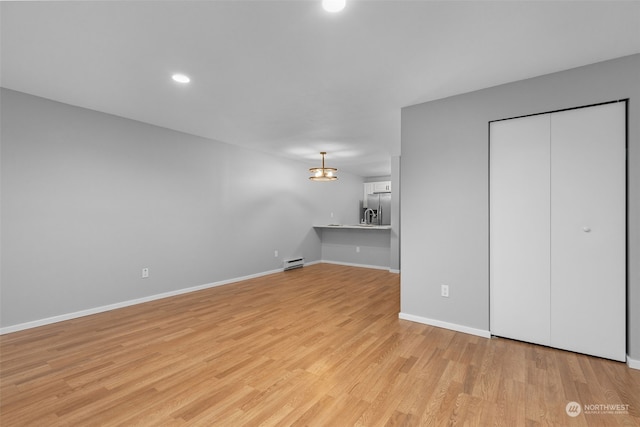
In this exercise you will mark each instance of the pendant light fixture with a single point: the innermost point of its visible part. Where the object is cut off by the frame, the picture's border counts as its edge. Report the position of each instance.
(323, 173)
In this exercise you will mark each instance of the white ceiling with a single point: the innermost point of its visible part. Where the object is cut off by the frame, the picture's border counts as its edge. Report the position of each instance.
(289, 78)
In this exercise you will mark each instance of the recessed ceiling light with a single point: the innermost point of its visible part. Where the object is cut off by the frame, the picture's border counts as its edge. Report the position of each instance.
(181, 78)
(333, 5)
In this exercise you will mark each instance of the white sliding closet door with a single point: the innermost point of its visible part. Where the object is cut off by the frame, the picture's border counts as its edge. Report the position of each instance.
(520, 229)
(588, 253)
(558, 229)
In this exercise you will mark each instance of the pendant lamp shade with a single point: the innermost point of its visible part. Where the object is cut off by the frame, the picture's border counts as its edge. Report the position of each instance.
(323, 173)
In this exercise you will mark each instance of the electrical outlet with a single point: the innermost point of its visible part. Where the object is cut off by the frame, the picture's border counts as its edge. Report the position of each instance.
(358, 249)
(145, 273)
(444, 291)
(275, 253)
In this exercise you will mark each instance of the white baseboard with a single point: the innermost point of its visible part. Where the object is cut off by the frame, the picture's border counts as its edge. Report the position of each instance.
(96, 310)
(633, 363)
(394, 271)
(446, 325)
(350, 264)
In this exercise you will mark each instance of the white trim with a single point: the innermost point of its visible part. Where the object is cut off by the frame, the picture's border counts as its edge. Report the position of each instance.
(446, 325)
(350, 264)
(633, 363)
(95, 310)
(394, 271)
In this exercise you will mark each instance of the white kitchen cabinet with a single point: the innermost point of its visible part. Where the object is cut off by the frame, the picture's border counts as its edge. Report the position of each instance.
(557, 229)
(368, 189)
(382, 187)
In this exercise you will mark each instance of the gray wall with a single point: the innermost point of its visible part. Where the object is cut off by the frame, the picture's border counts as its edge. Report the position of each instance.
(445, 188)
(89, 199)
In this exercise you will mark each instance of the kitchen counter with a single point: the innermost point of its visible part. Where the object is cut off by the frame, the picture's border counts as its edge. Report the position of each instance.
(355, 227)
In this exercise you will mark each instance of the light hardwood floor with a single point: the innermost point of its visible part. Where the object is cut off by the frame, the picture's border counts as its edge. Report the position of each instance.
(321, 345)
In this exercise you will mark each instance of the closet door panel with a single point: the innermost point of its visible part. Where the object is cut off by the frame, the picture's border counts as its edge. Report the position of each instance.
(519, 229)
(588, 253)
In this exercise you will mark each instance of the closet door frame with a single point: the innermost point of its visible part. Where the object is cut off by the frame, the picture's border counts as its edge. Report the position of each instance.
(619, 354)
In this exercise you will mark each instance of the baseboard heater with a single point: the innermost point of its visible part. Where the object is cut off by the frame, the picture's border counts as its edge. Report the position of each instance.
(290, 264)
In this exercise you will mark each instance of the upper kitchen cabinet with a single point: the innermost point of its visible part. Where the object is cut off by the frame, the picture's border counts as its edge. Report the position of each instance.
(376, 187)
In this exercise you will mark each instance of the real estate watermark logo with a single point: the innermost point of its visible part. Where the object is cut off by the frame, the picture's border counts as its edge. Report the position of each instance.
(606, 408)
(573, 409)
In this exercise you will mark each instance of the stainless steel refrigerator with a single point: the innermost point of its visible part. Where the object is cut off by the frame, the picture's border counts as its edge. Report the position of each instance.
(380, 205)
